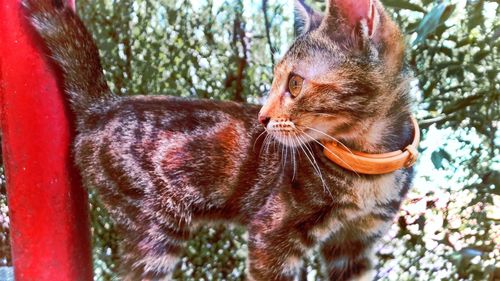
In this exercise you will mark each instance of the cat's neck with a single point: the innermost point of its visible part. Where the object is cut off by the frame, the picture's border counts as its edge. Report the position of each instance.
(391, 129)
(383, 135)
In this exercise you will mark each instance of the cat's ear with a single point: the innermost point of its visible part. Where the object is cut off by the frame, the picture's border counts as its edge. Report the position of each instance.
(366, 20)
(360, 15)
(306, 19)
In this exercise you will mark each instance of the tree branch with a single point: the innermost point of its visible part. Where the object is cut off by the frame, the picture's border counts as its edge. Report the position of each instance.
(267, 26)
(239, 36)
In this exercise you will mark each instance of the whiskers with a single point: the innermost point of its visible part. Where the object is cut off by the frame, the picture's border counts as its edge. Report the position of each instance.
(322, 145)
(257, 139)
(310, 157)
(328, 136)
(293, 141)
(287, 149)
(290, 144)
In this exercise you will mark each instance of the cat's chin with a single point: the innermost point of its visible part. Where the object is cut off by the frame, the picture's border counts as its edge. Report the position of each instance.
(293, 140)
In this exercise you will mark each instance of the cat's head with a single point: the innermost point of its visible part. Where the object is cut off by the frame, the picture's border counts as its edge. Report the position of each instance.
(340, 75)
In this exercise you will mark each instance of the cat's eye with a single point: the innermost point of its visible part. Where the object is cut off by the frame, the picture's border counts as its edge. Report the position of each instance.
(295, 85)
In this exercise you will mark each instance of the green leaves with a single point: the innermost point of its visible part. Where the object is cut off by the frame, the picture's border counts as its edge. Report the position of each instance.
(434, 19)
(438, 156)
(398, 4)
(479, 56)
(476, 18)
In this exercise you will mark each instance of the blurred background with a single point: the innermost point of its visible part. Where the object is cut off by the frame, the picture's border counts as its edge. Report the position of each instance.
(449, 226)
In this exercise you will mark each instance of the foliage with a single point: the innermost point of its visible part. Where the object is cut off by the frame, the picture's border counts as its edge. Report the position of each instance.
(183, 48)
(455, 58)
(449, 228)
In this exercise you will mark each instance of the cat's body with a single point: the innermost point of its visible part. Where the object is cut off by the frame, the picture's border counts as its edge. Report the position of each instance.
(164, 166)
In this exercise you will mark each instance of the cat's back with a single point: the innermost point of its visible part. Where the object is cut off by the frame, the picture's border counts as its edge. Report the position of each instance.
(138, 120)
(173, 112)
(144, 143)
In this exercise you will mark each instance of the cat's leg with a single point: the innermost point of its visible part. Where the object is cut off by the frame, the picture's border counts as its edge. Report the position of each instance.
(275, 254)
(152, 253)
(348, 260)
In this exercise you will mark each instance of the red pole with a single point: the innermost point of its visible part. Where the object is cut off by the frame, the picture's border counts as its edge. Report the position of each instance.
(48, 207)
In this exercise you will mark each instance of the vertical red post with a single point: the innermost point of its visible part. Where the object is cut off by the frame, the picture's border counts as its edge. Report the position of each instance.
(48, 207)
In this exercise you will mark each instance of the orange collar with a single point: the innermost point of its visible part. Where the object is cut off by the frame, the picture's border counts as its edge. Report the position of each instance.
(374, 164)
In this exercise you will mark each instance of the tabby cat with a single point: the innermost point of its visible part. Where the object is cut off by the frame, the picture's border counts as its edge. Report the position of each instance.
(165, 165)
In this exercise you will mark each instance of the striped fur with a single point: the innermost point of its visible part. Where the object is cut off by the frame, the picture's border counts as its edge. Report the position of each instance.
(165, 165)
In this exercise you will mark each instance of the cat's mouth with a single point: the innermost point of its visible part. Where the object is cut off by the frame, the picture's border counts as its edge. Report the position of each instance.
(291, 134)
(287, 133)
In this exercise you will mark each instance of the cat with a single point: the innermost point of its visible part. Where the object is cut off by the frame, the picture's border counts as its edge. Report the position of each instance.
(165, 165)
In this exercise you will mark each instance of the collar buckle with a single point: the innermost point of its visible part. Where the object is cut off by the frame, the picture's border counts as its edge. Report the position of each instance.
(412, 158)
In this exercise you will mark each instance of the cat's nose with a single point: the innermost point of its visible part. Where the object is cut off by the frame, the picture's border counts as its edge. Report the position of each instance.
(264, 120)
